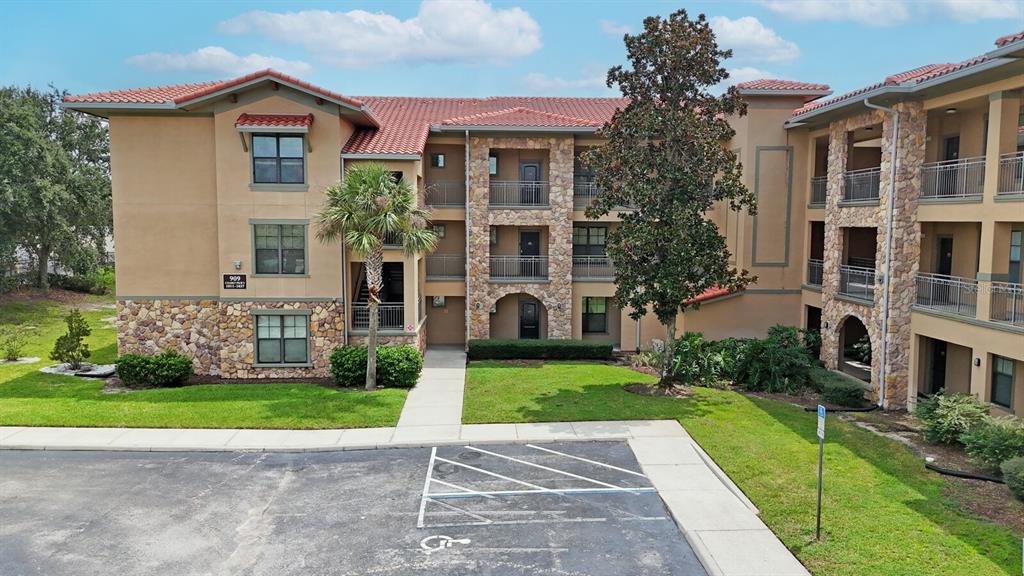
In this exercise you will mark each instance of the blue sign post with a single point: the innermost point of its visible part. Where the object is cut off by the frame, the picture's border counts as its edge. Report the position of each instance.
(821, 454)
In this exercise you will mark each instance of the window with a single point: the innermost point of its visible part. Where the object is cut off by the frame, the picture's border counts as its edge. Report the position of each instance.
(440, 230)
(589, 240)
(280, 248)
(595, 315)
(492, 165)
(438, 302)
(1015, 249)
(282, 339)
(277, 159)
(397, 176)
(437, 160)
(494, 235)
(1002, 381)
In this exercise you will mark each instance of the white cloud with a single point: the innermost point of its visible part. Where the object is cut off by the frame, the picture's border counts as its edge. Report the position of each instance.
(892, 12)
(219, 60)
(746, 74)
(972, 10)
(469, 31)
(538, 82)
(615, 29)
(871, 12)
(752, 41)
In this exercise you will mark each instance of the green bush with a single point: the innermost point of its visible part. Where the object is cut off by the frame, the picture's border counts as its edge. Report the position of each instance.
(861, 350)
(947, 418)
(69, 347)
(539, 350)
(12, 342)
(994, 441)
(843, 391)
(95, 283)
(1013, 475)
(169, 368)
(778, 363)
(397, 366)
(697, 361)
(812, 341)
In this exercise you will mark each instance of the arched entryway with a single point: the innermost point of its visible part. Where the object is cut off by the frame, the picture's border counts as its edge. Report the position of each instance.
(519, 316)
(855, 349)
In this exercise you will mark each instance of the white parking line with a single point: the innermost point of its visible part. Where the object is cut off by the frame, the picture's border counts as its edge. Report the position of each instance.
(542, 467)
(594, 462)
(426, 487)
(559, 491)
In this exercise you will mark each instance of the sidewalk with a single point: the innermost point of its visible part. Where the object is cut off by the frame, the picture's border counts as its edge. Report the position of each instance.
(433, 408)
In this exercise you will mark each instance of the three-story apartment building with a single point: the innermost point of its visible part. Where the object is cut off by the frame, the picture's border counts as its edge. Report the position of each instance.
(216, 187)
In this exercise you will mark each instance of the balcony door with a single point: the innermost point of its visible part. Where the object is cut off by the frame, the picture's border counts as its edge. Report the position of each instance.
(944, 263)
(529, 248)
(938, 376)
(529, 178)
(529, 319)
(951, 148)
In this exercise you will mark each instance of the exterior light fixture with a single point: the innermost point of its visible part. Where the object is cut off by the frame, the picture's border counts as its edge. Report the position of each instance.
(951, 110)
(238, 264)
(977, 361)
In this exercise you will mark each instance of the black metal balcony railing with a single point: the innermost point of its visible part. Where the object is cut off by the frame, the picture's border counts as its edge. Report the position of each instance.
(446, 266)
(519, 194)
(857, 282)
(519, 267)
(861, 185)
(1011, 174)
(950, 294)
(819, 188)
(389, 316)
(442, 194)
(815, 271)
(963, 178)
(1007, 303)
(592, 268)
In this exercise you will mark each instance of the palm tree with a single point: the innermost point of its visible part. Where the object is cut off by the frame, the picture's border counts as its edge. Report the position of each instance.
(361, 210)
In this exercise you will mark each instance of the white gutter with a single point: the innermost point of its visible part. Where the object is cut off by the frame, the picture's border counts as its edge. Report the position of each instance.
(469, 218)
(891, 209)
(344, 275)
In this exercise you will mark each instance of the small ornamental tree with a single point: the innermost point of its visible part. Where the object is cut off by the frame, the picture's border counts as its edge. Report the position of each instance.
(667, 156)
(69, 348)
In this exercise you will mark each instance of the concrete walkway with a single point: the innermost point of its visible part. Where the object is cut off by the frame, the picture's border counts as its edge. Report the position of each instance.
(433, 408)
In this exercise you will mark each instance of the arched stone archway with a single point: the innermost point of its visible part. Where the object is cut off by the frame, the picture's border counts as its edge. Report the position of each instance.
(518, 316)
(856, 351)
(557, 315)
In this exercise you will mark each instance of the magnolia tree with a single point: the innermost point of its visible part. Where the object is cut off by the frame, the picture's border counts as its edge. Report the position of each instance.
(666, 155)
(366, 207)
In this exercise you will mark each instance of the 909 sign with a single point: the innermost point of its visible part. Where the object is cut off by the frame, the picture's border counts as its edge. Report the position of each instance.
(234, 281)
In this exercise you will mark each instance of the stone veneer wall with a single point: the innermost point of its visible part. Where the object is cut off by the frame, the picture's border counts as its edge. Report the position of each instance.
(906, 242)
(218, 335)
(556, 293)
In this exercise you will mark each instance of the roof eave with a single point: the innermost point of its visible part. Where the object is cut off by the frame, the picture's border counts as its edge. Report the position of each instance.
(97, 108)
(485, 128)
(379, 156)
(765, 92)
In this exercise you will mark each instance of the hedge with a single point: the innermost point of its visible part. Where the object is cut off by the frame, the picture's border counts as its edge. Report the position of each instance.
(168, 368)
(397, 366)
(539, 350)
(1013, 475)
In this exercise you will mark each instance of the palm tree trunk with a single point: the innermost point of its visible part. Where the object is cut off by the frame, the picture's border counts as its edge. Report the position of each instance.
(374, 282)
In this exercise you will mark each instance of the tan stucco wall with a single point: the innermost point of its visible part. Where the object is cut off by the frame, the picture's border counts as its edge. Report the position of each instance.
(508, 240)
(510, 158)
(614, 321)
(447, 325)
(745, 316)
(965, 246)
(505, 322)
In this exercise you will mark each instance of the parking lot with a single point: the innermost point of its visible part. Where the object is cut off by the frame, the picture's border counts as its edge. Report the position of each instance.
(579, 508)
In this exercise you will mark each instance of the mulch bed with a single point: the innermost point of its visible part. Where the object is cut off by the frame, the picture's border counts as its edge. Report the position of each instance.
(660, 391)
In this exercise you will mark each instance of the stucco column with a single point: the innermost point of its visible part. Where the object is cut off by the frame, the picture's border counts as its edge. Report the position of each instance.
(1003, 111)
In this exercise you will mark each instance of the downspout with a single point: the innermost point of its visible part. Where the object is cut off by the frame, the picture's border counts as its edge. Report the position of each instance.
(344, 277)
(891, 209)
(468, 223)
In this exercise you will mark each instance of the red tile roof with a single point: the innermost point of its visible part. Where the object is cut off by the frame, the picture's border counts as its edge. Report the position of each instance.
(275, 120)
(1015, 37)
(406, 122)
(709, 294)
(783, 85)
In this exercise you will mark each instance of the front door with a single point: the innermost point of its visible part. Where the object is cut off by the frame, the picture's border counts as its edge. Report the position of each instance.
(529, 249)
(938, 367)
(529, 319)
(944, 265)
(529, 177)
(951, 148)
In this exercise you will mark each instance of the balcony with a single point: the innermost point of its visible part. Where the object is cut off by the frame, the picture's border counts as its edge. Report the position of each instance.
(857, 282)
(391, 240)
(446, 266)
(819, 187)
(583, 193)
(593, 268)
(861, 185)
(390, 316)
(953, 179)
(949, 294)
(1011, 175)
(1007, 304)
(519, 268)
(519, 194)
(446, 194)
(815, 271)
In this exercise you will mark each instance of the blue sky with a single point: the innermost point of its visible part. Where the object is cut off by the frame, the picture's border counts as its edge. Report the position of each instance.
(472, 47)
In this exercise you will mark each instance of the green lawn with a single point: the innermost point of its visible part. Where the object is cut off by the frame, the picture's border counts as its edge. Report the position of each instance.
(30, 398)
(884, 514)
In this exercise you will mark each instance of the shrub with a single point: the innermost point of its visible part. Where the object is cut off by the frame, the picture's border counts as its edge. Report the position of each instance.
(169, 368)
(812, 341)
(946, 418)
(539, 350)
(397, 366)
(69, 348)
(12, 342)
(648, 359)
(994, 441)
(1013, 475)
(697, 361)
(861, 350)
(778, 363)
(843, 391)
(95, 283)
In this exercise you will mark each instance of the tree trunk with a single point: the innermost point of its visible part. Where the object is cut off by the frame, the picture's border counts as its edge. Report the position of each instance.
(670, 348)
(374, 283)
(43, 265)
